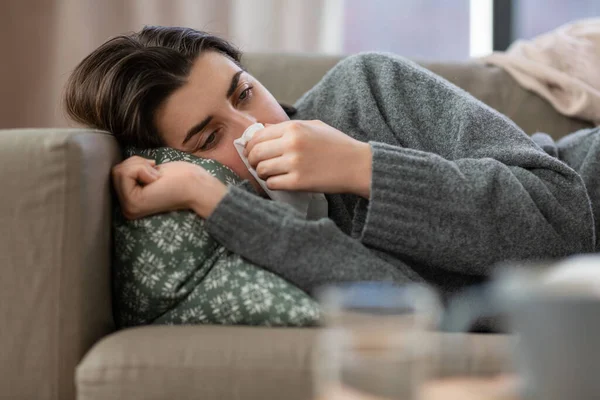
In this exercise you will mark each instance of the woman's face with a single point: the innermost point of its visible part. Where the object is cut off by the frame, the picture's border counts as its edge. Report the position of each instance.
(215, 106)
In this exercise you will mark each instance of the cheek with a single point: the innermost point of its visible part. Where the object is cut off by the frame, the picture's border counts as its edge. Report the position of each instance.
(238, 166)
(228, 156)
(274, 114)
(268, 110)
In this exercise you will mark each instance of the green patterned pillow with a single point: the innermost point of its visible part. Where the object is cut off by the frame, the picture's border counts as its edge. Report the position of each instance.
(168, 270)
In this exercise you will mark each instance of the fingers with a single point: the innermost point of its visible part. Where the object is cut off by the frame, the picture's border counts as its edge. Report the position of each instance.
(147, 175)
(269, 133)
(283, 182)
(128, 179)
(143, 172)
(265, 151)
(268, 168)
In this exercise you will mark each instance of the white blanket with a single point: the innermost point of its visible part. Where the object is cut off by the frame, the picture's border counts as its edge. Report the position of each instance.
(562, 66)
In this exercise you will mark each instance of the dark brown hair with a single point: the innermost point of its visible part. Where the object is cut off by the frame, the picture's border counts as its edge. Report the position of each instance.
(118, 87)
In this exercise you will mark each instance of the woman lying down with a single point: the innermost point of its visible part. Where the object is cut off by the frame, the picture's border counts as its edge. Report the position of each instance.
(398, 175)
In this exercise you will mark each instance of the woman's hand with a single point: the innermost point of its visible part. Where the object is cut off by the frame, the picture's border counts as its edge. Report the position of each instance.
(311, 156)
(145, 189)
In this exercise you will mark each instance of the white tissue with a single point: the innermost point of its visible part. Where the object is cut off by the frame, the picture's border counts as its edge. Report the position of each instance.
(312, 205)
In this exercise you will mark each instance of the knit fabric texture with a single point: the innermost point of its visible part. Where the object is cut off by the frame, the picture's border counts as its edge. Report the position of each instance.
(456, 189)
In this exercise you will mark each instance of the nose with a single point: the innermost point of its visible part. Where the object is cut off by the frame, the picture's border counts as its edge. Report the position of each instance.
(243, 121)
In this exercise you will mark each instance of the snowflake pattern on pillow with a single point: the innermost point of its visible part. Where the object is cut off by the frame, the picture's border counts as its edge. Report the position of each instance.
(168, 270)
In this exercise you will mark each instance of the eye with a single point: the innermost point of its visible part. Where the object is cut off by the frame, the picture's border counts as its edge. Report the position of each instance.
(210, 142)
(246, 94)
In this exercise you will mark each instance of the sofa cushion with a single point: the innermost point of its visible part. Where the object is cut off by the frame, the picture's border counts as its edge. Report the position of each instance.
(168, 270)
(215, 362)
(199, 362)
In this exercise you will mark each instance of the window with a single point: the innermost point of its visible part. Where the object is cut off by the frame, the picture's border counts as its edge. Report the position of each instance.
(452, 30)
(534, 17)
(419, 29)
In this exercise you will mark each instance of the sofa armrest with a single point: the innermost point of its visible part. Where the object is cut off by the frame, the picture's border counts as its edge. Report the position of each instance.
(54, 256)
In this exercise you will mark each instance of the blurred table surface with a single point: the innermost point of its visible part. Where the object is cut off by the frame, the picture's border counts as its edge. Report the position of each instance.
(468, 388)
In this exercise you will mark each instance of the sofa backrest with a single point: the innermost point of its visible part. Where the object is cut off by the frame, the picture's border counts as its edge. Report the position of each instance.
(288, 76)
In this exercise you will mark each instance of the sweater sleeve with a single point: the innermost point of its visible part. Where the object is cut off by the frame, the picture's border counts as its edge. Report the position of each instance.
(306, 253)
(455, 184)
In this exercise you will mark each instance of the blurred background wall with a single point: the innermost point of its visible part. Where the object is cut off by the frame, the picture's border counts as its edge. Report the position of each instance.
(42, 40)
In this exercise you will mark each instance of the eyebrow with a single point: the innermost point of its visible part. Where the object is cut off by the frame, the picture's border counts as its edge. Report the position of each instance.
(194, 130)
(234, 83)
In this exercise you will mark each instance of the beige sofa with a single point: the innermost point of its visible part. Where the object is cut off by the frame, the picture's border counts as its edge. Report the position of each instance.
(57, 338)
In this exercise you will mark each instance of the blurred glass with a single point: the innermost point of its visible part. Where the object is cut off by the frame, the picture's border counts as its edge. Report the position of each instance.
(471, 367)
(534, 17)
(376, 343)
(418, 29)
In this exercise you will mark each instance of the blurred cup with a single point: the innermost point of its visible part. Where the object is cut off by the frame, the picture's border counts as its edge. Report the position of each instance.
(557, 318)
(377, 342)
(554, 310)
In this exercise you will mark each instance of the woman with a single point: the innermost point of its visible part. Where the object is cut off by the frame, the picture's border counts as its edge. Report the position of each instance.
(423, 181)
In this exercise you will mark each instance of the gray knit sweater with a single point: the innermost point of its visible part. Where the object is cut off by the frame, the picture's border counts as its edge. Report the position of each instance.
(456, 187)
